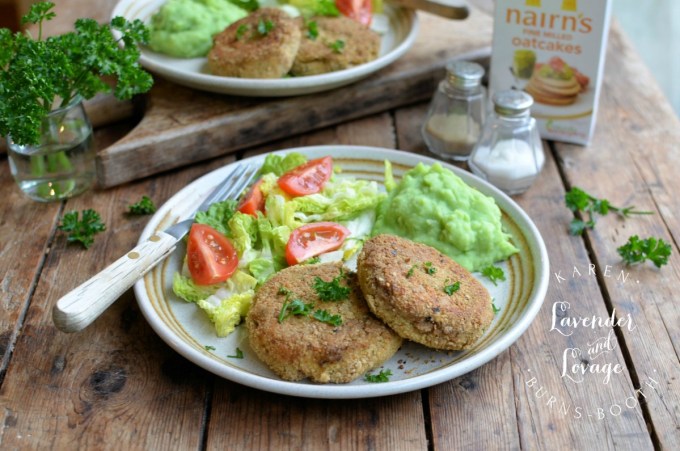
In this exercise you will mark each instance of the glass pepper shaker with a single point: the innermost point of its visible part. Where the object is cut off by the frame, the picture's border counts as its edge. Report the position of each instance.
(454, 120)
(509, 153)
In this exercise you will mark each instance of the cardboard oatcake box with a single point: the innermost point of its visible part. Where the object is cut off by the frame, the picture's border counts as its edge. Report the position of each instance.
(554, 50)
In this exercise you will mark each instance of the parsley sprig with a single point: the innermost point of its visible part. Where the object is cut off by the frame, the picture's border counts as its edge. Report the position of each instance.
(338, 46)
(81, 230)
(144, 207)
(452, 288)
(35, 73)
(578, 200)
(325, 317)
(331, 291)
(238, 354)
(297, 307)
(653, 249)
(382, 376)
(494, 274)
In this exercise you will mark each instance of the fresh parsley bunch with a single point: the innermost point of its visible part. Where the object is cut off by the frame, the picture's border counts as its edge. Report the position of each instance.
(638, 250)
(578, 200)
(82, 230)
(37, 73)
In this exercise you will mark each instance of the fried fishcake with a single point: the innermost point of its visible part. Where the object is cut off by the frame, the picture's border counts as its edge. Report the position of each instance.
(300, 346)
(339, 43)
(261, 45)
(422, 294)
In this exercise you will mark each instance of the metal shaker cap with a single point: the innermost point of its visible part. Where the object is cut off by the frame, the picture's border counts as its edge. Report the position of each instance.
(512, 102)
(464, 74)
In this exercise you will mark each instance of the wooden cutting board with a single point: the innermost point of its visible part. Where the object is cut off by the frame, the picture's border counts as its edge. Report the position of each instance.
(182, 126)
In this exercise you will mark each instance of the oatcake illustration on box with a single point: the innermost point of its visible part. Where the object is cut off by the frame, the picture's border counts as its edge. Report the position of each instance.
(556, 82)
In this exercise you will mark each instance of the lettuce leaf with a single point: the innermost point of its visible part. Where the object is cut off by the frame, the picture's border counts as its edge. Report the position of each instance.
(225, 303)
(218, 215)
(340, 200)
(228, 313)
(243, 233)
(280, 164)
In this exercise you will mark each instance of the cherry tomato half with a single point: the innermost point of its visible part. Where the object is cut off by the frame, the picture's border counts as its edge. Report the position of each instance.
(308, 178)
(313, 239)
(210, 255)
(359, 10)
(253, 201)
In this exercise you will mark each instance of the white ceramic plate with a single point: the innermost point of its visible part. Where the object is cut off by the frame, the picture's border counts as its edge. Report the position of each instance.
(192, 72)
(186, 329)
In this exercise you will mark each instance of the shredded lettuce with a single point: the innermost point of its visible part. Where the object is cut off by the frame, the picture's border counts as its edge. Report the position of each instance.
(278, 164)
(225, 303)
(243, 233)
(218, 215)
(390, 184)
(227, 314)
(340, 200)
(316, 7)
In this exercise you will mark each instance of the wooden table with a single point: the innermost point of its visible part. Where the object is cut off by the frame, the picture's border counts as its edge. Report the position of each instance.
(117, 385)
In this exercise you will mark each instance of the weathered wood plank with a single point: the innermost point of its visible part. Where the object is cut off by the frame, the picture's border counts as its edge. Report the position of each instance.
(566, 414)
(633, 161)
(116, 384)
(504, 398)
(249, 419)
(21, 255)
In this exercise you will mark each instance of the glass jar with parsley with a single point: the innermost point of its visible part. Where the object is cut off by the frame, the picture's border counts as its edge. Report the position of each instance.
(62, 164)
(43, 81)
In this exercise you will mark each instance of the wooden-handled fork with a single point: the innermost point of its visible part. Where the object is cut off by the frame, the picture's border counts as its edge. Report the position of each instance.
(78, 308)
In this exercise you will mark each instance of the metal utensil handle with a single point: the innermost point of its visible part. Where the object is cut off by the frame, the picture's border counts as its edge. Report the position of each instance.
(84, 304)
(450, 9)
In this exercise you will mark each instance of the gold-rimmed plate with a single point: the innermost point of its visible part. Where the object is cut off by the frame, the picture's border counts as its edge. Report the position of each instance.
(397, 36)
(186, 329)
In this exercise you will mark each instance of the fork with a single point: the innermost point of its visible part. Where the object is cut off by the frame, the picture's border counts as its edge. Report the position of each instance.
(78, 308)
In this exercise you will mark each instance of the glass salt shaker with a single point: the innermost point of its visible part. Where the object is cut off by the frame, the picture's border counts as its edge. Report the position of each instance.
(509, 153)
(454, 120)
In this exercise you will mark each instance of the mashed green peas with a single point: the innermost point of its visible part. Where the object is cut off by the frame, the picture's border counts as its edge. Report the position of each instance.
(185, 28)
(433, 206)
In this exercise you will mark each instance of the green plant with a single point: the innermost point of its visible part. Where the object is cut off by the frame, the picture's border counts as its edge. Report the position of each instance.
(37, 75)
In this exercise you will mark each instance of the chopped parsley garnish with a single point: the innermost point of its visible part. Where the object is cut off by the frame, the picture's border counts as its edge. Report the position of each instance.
(325, 317)
(144, 207)
(295, 307)
(81, 230)
(382, 376)
(493, 273)
(410, 271)
(209, 348)
(452, 288)
(338, 46)
(284, 291)
(237, 355)
(331, 291)
(312, 30)
(240, 31)
(312, 261)
(495, 309)
(578, 200)
(264, 27)
(429, 268)
(653, 249)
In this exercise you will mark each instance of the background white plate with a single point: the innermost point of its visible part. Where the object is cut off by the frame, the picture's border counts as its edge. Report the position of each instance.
(186, 329)
(192, 72)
